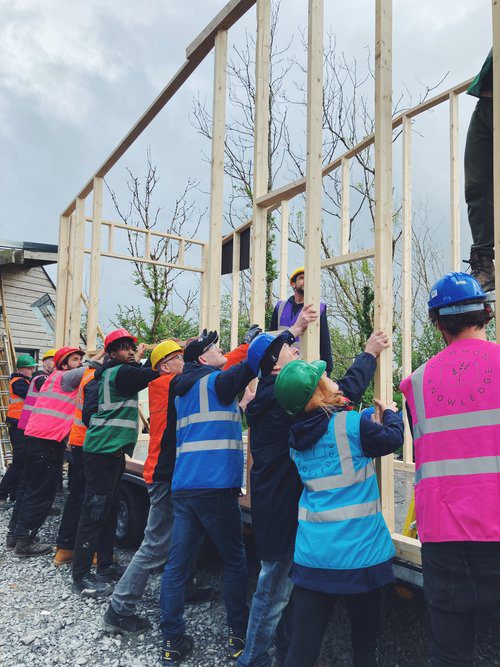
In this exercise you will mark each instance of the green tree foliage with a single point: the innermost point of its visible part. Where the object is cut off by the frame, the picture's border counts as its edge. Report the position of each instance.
(153, 330)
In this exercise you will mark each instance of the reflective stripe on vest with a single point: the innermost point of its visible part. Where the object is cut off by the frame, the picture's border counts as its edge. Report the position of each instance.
(474, 466)
(340, 513)
(281, 308)
(52, 415)
(29, 404)
(108, 404)
(78, 430)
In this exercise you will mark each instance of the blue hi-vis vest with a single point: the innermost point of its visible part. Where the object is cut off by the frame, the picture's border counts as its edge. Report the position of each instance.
(341, 526)
(209, 440)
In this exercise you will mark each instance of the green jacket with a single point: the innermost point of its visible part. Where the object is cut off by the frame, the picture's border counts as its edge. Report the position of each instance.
(486, 71)
(115, 426)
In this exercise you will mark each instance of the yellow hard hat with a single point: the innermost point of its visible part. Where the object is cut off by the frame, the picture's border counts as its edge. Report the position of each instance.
(50, 353)
(162, 350)
(295, 273)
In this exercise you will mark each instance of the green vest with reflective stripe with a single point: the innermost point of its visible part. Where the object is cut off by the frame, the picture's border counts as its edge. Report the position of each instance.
(115, 425)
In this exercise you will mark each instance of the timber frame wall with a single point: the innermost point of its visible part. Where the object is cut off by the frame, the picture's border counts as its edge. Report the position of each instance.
(73, 220)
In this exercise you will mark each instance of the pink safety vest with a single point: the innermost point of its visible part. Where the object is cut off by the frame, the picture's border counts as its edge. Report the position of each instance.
(52, 416)
(454, 403)
(29, 403)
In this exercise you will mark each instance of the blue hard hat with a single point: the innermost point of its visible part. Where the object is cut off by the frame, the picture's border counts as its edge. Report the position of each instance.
(452, 289)
(367, 413)
(257, 350)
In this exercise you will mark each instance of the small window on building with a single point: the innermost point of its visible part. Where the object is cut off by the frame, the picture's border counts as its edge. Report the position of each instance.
(45, 310)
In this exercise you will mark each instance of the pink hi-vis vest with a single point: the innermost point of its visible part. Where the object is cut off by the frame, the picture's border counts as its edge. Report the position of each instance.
(52, 416)
(29, 403)
(454, 402)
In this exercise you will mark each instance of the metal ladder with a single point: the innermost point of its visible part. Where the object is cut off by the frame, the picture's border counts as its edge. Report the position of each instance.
(7, 361)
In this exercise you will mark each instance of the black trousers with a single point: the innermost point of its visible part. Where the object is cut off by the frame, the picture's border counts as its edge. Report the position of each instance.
(10, 481)
(460, 579)
(311, 611)
(74, 501)
(478, 171)
(37, 490)
(99, 514)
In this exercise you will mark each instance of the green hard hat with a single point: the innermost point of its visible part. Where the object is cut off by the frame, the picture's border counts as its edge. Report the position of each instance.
(296, 383)
(26, 361)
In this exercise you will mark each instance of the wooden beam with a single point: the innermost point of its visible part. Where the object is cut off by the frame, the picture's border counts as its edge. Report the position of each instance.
(235, 291)
(217, 180)
(150, 232)
(349, 258)
(62, 281)
(404, 467)
(345, 220)
(496, 145)
(407, 296)
(454, 184)
(260, 162)
(141, 260)
(383, 228)
(407, 548)
(203, 321)
(95, 265)
(284, 250)
(77, 267)
(69, 278)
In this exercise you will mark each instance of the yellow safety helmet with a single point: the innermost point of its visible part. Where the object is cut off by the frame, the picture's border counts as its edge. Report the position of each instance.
(296, 273)
(162, 350)
(50, 353)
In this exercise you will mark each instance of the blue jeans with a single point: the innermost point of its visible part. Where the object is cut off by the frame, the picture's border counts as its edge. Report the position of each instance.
(152, 553)
(271, 596)
(218, 514)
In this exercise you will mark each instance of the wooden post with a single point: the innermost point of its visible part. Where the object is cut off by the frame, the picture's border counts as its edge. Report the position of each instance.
(203, 321)
(69, 276)
(62, 281)
(345, 227)
(496, 146)
(260, 162)
(454, 184)
(217, 180)
(77, 273)
(309, 343)
(383, 228)
(95, 265)
(284, 250)
(235, 290)
(406, 301)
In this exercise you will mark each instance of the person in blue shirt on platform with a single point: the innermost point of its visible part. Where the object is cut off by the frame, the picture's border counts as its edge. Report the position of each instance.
(343, 546)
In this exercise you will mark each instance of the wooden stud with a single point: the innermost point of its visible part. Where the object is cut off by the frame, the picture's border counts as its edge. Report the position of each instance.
(260, 162)
(496, 146)
(235, 291)
(454, 184)
(345, 221)
(69, 277)
(383, 228)
(407, 548)
(77, 274)
(406, 297)
(284, 251)
(62, 281)
(181, 254)
(217, 179)
(111, 238)
(147, 246)
(367, 253)
(95, 265)
(203, 321)
(309, 342)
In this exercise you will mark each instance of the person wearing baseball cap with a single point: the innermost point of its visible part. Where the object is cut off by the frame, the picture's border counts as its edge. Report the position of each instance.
(285, 315)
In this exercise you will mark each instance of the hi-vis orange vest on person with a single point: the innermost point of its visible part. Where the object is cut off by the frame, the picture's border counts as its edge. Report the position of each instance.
(52, 416)
(78, 430)
(15, 402)
(455, 408)
(158, 391)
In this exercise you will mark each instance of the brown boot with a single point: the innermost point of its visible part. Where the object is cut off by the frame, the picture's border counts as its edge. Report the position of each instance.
(63, 556)
(28, 546)
(483, 270)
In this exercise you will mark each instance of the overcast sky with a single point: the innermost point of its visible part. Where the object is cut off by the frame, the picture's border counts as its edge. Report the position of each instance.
(74, 76)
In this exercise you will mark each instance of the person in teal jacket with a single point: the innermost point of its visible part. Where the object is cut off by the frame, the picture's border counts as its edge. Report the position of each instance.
(343, 546)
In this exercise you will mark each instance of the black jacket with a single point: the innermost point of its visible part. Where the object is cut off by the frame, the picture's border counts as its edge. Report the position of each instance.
(275, 483)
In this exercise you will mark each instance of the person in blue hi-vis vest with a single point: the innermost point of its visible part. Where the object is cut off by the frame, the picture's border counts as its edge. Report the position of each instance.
(343, 546)
(206, 484)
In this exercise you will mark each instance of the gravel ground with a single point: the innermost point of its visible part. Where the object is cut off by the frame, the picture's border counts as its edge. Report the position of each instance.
(44, 623)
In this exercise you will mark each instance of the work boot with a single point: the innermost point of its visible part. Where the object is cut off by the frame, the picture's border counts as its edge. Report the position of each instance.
(89, 587)
(236, 643)
(127, 625)
(200, 595)
(176, 650)
(113, 572)
(482, 269)
(10, 541)
(63, 556)
(28, 546)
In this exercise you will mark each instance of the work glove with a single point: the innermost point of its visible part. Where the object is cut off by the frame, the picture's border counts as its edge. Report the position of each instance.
(252, 332)
(97, 504)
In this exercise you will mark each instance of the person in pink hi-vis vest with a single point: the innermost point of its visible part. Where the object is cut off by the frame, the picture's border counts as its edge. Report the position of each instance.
(453, 406)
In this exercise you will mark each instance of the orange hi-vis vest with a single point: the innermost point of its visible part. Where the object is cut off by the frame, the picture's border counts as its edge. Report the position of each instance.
(78, 430)
(158, 391)
(52, 416)
(16, 403)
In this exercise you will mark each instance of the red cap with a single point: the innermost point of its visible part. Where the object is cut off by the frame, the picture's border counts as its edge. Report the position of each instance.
(63, 352)
(115, 335)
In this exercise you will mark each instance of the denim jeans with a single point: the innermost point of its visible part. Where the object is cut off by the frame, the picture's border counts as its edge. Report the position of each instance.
(271, 596)
(152, 553)
(218, 514)
(460, 579)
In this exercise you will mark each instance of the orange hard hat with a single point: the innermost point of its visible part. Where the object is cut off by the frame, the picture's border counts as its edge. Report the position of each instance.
(63, 353)
(115, 335)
